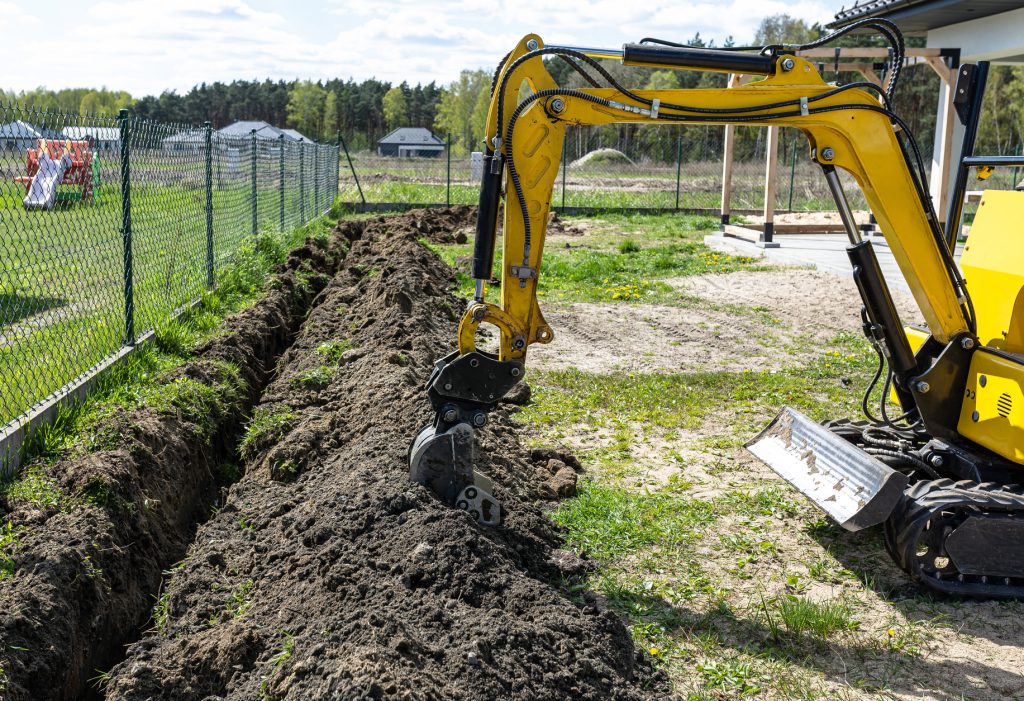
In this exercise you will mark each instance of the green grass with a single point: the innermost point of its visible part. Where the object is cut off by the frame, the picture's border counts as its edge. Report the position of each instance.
(819, 619)
(608, 268)
(684, 567)
(315, 378)
(608, 522)
(663, 401)
(8, 544)
(140, 380)
(331, 351)
(268, 424)
(62, 275)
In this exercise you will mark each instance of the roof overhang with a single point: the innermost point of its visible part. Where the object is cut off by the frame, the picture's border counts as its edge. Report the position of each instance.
(920, 16)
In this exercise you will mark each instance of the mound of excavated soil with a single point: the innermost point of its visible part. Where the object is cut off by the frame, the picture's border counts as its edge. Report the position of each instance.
(602, 156)
(441, 225)
(327, 575)
(85, 572)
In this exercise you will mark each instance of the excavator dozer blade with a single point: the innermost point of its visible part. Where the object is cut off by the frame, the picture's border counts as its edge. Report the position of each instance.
(852, 487)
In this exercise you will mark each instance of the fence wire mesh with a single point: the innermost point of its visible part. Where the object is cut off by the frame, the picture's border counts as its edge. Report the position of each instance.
(614, 168)
(111, 226)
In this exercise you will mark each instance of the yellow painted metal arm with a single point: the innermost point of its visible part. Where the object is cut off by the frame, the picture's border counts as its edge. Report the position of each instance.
(859, 141)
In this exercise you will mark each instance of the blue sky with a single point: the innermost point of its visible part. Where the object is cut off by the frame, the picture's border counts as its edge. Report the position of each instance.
(146, 47)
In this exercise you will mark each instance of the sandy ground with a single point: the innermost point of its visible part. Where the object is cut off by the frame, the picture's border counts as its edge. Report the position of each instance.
(733, 321)
(907, 646)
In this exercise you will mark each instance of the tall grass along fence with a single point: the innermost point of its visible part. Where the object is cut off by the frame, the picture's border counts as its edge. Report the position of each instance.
(116, 228)
(622, 167)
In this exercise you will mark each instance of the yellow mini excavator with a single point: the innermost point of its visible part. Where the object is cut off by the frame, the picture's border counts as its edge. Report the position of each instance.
(940, 472)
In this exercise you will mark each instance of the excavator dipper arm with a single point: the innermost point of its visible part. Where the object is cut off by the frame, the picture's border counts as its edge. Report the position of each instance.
(848, 128)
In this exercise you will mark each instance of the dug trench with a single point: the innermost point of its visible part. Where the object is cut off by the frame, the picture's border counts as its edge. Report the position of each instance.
(327, 574)
(89, 537)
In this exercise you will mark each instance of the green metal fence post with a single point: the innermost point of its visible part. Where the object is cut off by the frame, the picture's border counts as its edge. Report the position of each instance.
(352, 168)
(302, 183)
(337, 166)
(679, 166)
(208, 129)
(448, 181)
(124, 122)
(565, 167)
(316, 180)
(792, 177)
(280, 177)
(252, 194)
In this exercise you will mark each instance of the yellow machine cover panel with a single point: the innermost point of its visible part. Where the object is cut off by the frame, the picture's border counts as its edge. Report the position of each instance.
(993, 264)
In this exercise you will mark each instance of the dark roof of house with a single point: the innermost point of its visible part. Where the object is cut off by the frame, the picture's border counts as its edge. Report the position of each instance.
(918, 16)
(408, 136)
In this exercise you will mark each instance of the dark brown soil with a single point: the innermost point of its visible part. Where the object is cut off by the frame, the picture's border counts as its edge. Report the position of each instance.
(85, 573)
(327, 575)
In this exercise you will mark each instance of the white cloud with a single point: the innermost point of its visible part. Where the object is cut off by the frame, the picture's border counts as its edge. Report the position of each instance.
(145, 47)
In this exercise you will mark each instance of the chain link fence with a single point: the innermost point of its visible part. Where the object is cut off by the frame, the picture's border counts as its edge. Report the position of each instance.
(623, 167)
(110, 227)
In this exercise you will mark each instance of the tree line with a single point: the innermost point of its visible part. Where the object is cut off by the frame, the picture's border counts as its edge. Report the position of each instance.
(364, 111)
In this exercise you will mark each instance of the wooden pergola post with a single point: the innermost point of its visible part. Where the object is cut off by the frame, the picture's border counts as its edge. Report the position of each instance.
(734, 80)
(771, 161)
(943, 160)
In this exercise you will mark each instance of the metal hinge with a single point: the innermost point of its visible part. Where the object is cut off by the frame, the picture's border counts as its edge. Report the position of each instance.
(523, 272)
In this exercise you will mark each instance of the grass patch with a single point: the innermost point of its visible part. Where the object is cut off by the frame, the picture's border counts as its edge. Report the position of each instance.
(268, 424)
(8, 543)
(817, 619)
(608, 522)
(609, 268)
(316, 378)
(331, 351)
(827, 387)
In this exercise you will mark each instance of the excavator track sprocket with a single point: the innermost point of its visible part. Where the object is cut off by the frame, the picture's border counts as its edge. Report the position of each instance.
(961, 538)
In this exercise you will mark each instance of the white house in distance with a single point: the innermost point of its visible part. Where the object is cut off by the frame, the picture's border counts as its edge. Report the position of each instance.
(410, 142)
(982, 30)
(193, 139)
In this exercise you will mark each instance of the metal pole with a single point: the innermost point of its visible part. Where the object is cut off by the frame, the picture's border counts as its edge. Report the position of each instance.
(448, 186)
(792, 177)
(302, 183)
(252, 195)
(209, 203)
(351, 167)
(842, 204)
(316, 180)
(337, 165)
(679, 166)
(956, 200)
(565, 167)
(280, 187)
(126, 227)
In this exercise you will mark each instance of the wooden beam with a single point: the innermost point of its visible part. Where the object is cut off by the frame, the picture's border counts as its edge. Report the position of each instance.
(865, 69)
(863, 52)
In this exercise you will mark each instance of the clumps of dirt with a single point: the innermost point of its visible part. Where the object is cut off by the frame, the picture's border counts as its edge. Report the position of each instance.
(453, 224)
(93, 535)
(564, 227)
(326, 574)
